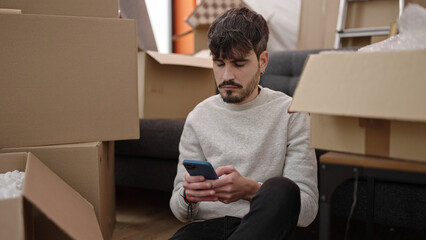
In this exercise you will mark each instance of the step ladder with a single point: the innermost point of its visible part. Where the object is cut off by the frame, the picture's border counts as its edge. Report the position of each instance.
(341, 32)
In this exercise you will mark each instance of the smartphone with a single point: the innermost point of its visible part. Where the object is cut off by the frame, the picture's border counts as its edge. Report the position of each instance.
(200, 168)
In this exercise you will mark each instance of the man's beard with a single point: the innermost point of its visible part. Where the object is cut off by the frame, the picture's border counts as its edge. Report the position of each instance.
(231, 97)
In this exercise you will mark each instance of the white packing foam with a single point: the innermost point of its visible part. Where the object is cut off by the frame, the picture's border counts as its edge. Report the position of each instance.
(11, 184)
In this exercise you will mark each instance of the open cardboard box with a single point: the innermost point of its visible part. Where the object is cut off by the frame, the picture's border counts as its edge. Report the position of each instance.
(171, 85)
(366, 103)
(67, 80)
(48, 208)
(89, 169)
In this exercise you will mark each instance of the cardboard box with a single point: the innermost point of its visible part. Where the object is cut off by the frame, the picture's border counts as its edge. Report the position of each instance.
(311, 25)
(84, 8)
(200, 37)
(171, 85)
(366, 103)
(67, 80)
(48, 205)
(89, 169)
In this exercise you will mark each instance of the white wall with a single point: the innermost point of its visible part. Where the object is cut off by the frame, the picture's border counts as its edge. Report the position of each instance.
(160, 14)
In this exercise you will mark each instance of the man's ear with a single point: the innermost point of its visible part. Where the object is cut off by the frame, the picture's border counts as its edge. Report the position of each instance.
(263, 60)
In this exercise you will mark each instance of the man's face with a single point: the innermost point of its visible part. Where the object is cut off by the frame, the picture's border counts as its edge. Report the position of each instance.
(237, 79)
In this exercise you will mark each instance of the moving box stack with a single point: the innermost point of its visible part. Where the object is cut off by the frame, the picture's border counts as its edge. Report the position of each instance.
(372, 101)
(68, 89)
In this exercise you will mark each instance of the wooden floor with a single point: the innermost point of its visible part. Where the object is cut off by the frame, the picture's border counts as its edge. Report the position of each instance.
(143, 215)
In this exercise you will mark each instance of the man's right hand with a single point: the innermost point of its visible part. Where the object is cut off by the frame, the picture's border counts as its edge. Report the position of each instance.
(198, 189)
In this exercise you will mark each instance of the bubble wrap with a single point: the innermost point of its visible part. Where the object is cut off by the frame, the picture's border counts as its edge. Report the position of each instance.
(11, 184)
(412, 32)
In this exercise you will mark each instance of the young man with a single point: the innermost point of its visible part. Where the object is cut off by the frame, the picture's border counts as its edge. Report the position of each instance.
(267, 171)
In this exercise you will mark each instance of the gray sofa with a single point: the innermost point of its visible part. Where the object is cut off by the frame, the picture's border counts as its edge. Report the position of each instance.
(150, 162)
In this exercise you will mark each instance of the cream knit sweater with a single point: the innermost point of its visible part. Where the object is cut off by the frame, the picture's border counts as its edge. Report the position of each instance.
(260, 139)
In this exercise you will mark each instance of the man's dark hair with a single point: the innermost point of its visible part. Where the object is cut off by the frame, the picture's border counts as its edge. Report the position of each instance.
(237, 31)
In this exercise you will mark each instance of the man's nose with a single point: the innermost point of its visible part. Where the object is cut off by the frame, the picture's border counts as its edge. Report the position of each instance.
(228, 73)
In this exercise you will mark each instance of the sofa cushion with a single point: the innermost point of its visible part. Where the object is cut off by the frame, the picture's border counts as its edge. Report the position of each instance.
(159, 138)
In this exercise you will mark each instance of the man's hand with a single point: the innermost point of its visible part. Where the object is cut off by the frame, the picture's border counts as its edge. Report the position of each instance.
(198, 189)
(233, 186)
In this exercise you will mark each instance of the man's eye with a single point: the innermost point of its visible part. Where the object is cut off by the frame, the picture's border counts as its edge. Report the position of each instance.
(219, 64)
(239, 64)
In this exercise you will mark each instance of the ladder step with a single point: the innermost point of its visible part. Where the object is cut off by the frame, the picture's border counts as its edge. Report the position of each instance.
(367, 29)
(362, 32)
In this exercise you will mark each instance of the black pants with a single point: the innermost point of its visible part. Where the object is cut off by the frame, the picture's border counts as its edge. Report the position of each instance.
(274, 211)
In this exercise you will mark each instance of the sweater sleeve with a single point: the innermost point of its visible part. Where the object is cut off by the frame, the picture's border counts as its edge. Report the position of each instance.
(301, 166)
(189, 148)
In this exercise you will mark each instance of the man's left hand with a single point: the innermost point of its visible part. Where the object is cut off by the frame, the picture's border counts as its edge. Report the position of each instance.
(233, 186)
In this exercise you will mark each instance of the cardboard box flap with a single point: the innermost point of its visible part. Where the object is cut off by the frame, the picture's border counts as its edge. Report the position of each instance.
(61, 146)
(181, 59)
(384, 85)
(62, 204)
